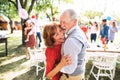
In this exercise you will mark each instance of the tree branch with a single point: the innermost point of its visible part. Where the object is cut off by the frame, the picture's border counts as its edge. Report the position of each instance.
(21, 2)
(31, 6)
(25, 4)
(15, 4)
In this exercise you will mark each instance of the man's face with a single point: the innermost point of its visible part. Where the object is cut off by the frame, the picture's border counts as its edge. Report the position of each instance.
(103, 23)
(37, 16)
(65, 21)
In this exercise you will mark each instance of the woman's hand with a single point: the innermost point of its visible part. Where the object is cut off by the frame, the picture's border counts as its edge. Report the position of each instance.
(66, 60)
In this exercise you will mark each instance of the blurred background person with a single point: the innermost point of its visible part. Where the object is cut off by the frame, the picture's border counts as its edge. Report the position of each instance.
(84, 29)
(112, 30)
(104, 32)
(93, 32)
(38, 29)
(31, 43)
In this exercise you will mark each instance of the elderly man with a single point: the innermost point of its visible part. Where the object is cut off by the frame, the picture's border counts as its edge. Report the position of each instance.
(75, 45)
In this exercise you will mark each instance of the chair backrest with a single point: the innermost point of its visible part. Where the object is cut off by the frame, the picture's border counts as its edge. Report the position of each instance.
(106, 60)
(37, 55)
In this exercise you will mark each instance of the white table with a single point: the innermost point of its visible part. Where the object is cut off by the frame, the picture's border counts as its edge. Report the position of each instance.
(92, 55)
(110, 48)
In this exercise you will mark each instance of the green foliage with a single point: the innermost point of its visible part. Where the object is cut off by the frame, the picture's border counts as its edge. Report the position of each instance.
(117, 17)
(4, 7)
(8, 9)
(92, 14)
(42, 5)
(68, 1)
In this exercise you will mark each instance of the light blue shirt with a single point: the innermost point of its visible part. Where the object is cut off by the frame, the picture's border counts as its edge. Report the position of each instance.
(75, 45)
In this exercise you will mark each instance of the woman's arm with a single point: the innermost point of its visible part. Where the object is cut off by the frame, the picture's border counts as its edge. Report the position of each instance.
(66, 60)
(25, 31)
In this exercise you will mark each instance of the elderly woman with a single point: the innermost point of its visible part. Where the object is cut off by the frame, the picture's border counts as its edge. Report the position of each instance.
(53, 37)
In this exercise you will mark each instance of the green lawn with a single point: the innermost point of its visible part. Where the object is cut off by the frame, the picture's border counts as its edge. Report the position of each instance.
(16, 67)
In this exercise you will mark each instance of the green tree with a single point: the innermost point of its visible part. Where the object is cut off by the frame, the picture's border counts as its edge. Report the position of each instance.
(28, 6)
(116, 17)
(49, 7)
(8, 10)
(11, 8)
(92, 14)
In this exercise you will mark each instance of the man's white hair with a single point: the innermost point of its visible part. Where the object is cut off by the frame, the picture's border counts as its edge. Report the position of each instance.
(72, 13)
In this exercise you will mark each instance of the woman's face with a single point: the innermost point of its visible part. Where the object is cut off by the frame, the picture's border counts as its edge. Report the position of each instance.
(32, 24)
(59, 36)
(26, 23)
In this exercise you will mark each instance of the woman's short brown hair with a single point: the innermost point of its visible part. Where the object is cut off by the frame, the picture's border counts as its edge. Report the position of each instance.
(48, 33)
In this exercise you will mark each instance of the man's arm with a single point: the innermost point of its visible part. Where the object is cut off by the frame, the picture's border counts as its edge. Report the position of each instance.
(72, 47)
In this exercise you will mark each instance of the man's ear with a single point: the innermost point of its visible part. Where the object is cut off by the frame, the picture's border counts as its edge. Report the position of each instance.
(75, 21)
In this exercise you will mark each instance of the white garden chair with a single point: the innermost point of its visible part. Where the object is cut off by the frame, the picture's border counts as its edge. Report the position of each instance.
(105, 65)
(36, 57)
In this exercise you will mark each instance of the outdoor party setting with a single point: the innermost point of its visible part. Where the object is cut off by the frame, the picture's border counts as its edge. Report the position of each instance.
(59, 40)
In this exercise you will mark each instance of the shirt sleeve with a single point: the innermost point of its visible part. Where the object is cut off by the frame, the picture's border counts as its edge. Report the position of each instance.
(50, 60)
(72, 47)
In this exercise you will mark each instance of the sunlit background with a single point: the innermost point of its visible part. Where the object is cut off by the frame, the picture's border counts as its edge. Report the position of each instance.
(109, 7)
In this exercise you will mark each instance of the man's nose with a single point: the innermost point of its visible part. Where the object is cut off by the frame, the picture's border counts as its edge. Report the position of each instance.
(61, 24)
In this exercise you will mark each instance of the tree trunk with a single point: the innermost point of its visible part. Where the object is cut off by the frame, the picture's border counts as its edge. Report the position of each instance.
(23, 36)
(11, 27)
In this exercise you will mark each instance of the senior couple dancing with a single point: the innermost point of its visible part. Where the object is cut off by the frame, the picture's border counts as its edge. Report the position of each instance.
(65, 56)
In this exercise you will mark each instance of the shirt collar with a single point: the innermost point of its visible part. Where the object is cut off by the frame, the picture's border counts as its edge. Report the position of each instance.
(71, 30)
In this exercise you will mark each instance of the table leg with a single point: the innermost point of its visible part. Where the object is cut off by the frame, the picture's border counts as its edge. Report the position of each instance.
(6, 47)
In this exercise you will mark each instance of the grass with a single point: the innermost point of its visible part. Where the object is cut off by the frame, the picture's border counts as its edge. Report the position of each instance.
(16, 67)
(88, 67)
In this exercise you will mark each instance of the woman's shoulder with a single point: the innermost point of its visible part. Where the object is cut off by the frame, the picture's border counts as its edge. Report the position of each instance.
(49, 50)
